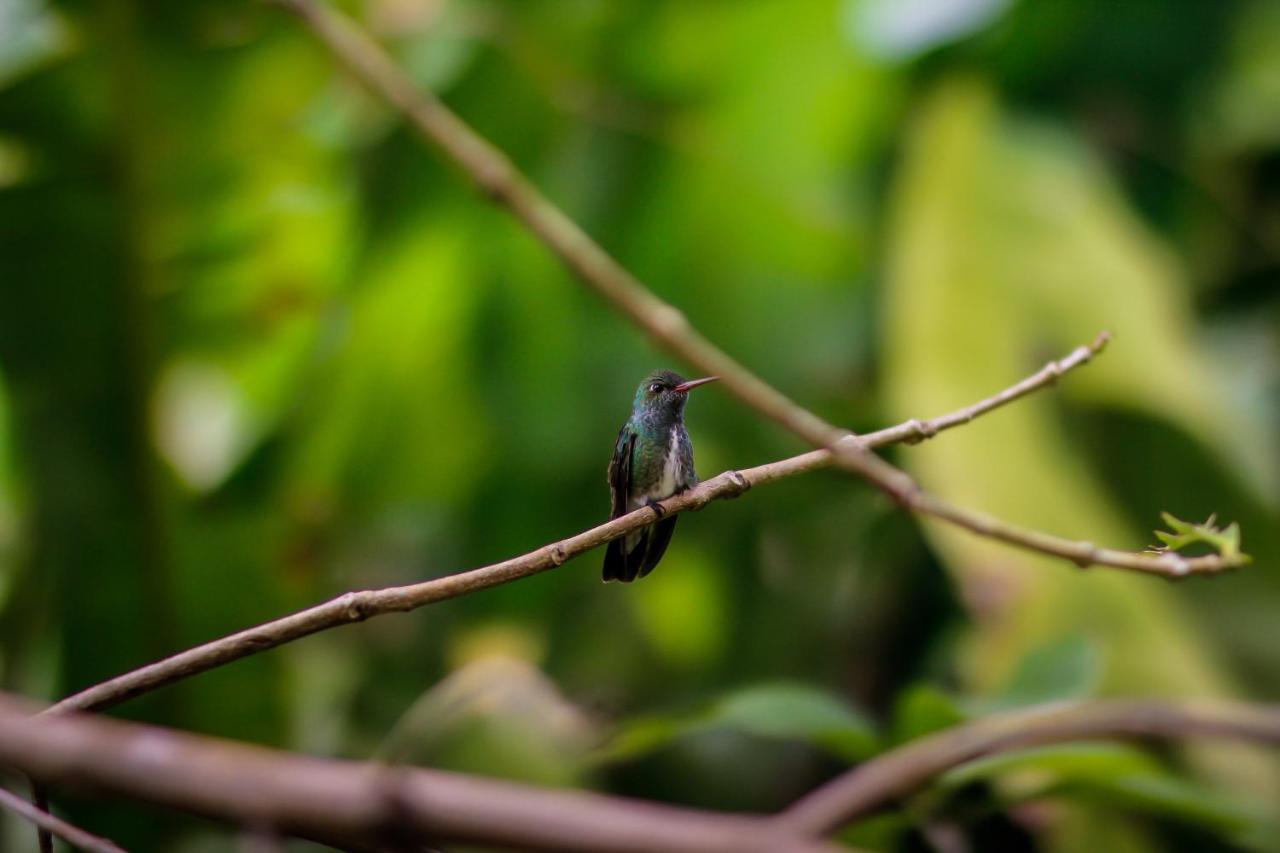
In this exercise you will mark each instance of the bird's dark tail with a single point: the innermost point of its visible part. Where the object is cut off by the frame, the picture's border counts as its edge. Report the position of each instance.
(635, 555)
(618, 565)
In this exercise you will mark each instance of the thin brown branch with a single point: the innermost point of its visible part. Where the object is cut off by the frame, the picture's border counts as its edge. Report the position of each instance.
(73, 835)
(358, 606)
(497, 177)
(356, 804)
(903, 771)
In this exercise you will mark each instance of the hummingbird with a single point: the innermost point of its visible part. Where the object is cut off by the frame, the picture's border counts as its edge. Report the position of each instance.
(652, 460)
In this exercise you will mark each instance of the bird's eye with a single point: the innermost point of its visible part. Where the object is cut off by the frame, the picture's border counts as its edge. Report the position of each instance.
(655, 388)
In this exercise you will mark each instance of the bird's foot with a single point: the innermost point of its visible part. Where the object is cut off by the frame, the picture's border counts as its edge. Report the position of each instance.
(656, 507)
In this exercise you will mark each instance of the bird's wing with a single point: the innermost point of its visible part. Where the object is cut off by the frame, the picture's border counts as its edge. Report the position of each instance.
(622, 558)
(620, 471)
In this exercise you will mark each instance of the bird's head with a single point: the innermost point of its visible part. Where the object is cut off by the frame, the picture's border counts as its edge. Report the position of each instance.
(663, 393)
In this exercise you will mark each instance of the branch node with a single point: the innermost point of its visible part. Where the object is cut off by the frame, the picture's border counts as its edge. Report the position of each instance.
(1179, 566)
(558, 555)
(353, 607)
(741, 484)
(1088, 555)
(493, 180)
(258, 641)
(920, 430)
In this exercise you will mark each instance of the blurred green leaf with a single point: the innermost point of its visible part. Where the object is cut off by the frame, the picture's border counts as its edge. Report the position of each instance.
(797, 712)
(1070, 668)
(1077, 761)
(783, 711)
(878, 832)
(643, 735)
(1119, 777)
(923, 709)
(1180, 799)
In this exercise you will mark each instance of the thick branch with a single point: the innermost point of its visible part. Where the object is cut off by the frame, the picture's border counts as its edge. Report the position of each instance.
(360, 803)
(498, 178)
(357, 606)
(73, 835)
(909, 768)
(356, 804)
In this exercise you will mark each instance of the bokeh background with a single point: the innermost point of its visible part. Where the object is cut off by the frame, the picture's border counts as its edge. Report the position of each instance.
(258, 346)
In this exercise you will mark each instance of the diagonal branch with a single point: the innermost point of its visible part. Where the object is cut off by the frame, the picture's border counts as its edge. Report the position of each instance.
(907, 769)
(73, 835)
(497, 177)
(359, 805)
(358, 606)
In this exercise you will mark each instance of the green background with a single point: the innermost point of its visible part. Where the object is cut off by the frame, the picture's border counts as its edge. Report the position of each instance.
(259, 346)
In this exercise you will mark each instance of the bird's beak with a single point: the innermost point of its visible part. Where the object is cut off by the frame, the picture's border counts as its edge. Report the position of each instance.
(686, 387)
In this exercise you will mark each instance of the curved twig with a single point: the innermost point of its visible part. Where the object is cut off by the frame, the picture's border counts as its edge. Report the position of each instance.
(498, 178)
(358, 606)
(907, 769)
(73, 835)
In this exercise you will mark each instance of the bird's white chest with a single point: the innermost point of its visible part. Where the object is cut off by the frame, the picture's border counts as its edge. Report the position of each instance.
(670, 468)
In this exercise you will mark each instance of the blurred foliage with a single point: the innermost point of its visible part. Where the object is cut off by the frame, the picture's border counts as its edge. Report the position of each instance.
(786, 711)
(258, 346)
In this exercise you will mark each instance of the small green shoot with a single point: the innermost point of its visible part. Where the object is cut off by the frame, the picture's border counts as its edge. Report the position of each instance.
(1225, 541)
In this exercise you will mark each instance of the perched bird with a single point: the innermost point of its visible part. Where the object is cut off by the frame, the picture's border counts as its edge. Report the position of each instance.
(652, 460)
